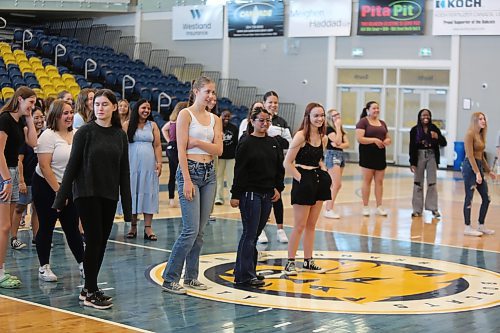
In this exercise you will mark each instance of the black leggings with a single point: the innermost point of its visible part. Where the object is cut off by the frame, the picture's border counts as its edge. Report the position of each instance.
(173, 162)
(43, 198)
(278, 211)
(97, 215)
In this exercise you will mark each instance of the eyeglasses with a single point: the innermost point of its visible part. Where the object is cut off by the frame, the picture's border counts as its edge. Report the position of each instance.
(264, 120)
(335, 115)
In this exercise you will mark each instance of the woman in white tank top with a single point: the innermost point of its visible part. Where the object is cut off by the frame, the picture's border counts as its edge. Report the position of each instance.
(199, 137)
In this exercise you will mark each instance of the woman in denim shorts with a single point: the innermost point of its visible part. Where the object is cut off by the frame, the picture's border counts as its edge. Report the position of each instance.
(311, 185)
(16, 128)
(334, 158)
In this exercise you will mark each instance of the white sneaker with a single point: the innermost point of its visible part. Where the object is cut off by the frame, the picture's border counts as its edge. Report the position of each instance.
(366, 211)
(331, 214)
(262, 256)
(485, 231)
(281, 236)
(262, 238)
(82, 271)
(471, 232)
(171, 203)
(381, 211)
(46, 274)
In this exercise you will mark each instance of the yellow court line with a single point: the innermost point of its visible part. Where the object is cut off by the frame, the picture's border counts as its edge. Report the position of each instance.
(76, 314)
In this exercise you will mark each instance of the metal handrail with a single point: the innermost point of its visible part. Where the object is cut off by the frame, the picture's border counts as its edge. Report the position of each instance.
(164, 95)
(87, 69)
(124, 86)
(4, 22)
(30, 34)
(59, 51)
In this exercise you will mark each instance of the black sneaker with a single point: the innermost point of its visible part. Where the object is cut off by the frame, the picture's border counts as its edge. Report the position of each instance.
(16, 244)
(97, 301)
(174, 288)
(436, 214)
(415, 214)
(83, 295)
(310, 266)
(290, 268)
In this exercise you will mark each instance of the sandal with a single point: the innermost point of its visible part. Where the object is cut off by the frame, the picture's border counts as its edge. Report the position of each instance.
(132, 234)
(7, 282)
(151, 237)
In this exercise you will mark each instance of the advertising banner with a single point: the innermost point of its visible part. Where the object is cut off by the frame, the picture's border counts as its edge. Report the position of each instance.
(255, 19)
(391, 17)
(466, 17)
(319, 18)
(197, 22)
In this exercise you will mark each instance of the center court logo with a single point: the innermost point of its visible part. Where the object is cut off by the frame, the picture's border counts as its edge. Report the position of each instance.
(353, 283)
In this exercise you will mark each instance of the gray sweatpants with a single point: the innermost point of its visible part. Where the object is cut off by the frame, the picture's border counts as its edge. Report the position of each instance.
(426, 163)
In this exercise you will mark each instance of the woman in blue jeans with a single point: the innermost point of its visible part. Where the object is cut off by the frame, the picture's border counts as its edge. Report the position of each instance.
(473, 169)
(199, 138)
(255, 187)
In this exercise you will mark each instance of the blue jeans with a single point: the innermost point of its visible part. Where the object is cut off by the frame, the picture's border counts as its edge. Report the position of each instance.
(255, 209)
(470, 186)
(195, 214)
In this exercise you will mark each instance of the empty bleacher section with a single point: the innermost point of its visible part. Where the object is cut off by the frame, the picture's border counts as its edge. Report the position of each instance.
(91, 55)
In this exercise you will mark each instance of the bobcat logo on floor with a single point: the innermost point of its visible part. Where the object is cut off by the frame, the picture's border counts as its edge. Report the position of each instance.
(366, 283)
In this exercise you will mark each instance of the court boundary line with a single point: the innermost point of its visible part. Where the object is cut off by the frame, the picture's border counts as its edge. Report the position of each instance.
(47, 307)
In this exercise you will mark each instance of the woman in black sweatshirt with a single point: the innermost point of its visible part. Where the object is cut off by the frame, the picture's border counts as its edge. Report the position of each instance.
(97, 170)
(258, 182)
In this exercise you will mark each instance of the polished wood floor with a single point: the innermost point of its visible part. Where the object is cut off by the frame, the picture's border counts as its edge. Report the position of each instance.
(141, 306)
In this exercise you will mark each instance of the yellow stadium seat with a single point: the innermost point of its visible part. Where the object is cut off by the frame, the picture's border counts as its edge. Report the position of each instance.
(57, 81)
(39, 93)
(68, 78)
(35, 60)
(44, 80)
(61, 87)
(51, 69)
(36, 66)
(74, 90)
(9, 58)
(1, 97)
(7, 92)
(19, 52)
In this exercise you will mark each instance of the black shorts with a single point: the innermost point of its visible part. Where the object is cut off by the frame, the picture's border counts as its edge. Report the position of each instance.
(372, 157)
(314, 186)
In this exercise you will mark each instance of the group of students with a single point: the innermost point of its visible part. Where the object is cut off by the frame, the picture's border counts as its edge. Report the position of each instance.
(116, 156)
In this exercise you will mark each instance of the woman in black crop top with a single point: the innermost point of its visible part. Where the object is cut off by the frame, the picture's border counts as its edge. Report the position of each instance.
(311, 184)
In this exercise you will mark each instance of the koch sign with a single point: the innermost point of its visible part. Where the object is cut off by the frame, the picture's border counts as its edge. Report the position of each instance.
(391, 17)
(255, 19)
(466, 17)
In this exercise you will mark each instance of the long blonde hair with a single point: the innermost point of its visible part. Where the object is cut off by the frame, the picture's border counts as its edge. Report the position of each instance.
(479, 133)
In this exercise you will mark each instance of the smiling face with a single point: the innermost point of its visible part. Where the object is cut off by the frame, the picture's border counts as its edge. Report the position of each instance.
(374, 110)
(66, 120)
(144, 111)
(206, 95)
(317, 117)
(225, 117)
(261, 124)
(26, 105)
(68, 98)
(123, 108)
(38, 119)
(425, 117)
(481, 121)
(271, 104)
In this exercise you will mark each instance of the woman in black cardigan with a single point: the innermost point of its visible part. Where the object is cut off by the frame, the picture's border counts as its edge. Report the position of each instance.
(425, 141)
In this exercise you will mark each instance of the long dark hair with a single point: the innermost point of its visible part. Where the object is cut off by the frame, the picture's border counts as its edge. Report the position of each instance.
(13, 104)
(364, 113)
(115, 117)
(253, 115)
(306, 122)
(270, 93)
(133, 122)
(81, 104)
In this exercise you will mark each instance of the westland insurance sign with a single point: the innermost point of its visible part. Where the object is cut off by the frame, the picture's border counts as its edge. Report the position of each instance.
(197, 22)
(391, 17)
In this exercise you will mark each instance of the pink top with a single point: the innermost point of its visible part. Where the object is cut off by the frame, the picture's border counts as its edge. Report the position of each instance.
(172, 132)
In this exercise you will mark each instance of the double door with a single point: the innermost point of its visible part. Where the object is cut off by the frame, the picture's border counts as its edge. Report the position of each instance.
(399, 107)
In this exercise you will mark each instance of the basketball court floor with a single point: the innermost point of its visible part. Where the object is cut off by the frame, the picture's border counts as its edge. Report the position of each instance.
(384, 274)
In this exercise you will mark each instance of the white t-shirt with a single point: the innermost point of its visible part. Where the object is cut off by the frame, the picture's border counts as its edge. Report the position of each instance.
(52, 143)
(78, 121)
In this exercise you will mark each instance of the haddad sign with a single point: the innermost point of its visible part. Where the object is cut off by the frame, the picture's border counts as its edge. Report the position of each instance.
(391, 17)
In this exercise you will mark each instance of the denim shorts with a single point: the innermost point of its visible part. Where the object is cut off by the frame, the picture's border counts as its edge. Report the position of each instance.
(14, 175)
(334, 157)
(25, 198)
